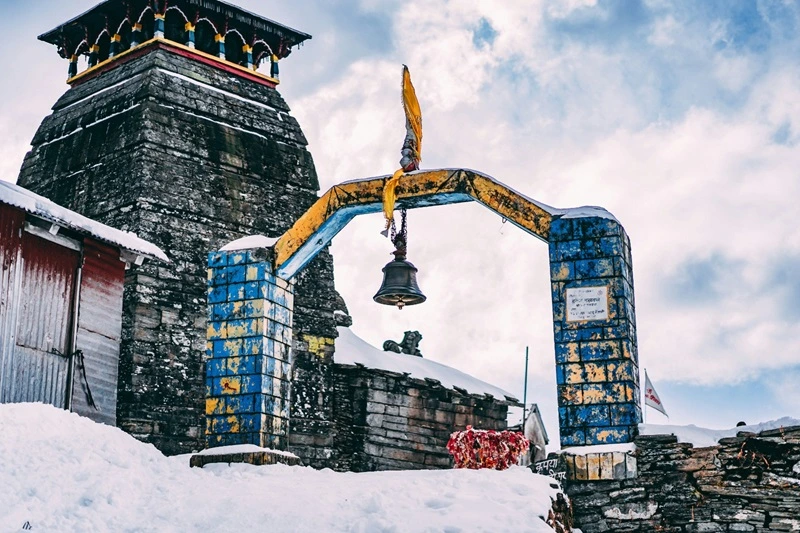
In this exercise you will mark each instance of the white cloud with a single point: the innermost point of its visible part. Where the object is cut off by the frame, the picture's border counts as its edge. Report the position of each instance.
(707, 181)
(664, 31)
(565, 8)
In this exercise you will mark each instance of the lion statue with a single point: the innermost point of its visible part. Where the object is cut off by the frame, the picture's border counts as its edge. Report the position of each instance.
(409, 344)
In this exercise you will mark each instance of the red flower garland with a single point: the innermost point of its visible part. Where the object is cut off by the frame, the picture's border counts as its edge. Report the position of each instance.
(480, 448)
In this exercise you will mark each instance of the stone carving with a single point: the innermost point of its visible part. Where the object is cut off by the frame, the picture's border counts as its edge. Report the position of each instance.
(409, 344)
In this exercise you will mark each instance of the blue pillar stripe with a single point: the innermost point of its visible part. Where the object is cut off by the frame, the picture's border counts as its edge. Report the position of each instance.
(249, 334)
(597, 360)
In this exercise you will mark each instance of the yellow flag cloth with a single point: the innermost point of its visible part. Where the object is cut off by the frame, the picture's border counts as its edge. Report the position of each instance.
(389, 198)
(413, 143)
(411, 107)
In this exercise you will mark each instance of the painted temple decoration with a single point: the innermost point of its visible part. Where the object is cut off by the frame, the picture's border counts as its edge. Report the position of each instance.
(214, 31)
(591, 276)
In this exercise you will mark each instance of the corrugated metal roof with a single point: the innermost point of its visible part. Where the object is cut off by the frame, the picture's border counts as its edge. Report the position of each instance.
(14, 195)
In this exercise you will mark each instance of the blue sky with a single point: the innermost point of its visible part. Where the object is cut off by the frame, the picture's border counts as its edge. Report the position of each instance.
(681, 118)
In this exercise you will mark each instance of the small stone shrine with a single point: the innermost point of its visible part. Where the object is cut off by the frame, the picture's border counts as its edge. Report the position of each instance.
(391, 411)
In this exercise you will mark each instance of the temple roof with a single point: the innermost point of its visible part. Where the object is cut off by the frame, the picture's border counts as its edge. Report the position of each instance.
(353, 350)
(99, 15)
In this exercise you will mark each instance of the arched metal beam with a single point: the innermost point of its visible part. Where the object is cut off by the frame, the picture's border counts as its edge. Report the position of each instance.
(343, 202)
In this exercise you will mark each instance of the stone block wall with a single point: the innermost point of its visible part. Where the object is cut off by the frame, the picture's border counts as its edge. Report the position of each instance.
(746, 483)
(190, 158)
(249, 340)
(594, 325)
(389, 421)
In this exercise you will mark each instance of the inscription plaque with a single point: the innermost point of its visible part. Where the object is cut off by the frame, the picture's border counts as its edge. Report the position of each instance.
(587, 303)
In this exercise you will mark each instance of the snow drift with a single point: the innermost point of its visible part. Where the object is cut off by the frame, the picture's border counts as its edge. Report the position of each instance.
(61, 472)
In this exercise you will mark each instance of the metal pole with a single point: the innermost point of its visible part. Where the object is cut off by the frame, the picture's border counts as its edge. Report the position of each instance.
(73, 339)
(644, 403)
(525, 392)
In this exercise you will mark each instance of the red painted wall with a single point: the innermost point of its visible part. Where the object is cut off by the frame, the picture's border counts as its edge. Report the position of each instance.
(37, 282)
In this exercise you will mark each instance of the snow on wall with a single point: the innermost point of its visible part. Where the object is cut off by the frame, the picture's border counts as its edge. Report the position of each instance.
(249, 242)
(352, 349)
(585, 211)
(29, 202)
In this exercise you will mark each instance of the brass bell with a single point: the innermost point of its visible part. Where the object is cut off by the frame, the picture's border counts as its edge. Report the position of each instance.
(399, 282)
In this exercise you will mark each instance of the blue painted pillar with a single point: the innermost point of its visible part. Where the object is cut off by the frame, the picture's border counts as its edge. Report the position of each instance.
(274, 71)
(158, 27)
(248, 351)
(597, 364)
(220, 40)
(136, 35)
(189, 27)
(94, 53)
(72, 71)
(248, 54)
(114, 49)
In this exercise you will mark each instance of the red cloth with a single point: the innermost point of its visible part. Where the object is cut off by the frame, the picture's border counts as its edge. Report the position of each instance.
(479, 448)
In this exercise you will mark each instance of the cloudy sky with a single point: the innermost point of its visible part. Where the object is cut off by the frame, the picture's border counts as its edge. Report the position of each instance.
(681, 118)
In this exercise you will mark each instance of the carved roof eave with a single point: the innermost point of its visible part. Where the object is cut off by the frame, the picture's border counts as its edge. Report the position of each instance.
(241, 19)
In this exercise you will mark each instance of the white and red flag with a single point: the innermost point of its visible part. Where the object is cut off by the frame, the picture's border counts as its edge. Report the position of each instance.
(651, 396)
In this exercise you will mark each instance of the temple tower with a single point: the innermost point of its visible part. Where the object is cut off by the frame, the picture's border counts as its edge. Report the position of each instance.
(175, 130)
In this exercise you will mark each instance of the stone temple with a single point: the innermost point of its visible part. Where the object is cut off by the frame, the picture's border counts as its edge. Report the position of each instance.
(175, 132)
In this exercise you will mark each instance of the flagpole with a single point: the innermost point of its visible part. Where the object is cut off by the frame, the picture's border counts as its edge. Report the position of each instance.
(644, 404)
(525, 392)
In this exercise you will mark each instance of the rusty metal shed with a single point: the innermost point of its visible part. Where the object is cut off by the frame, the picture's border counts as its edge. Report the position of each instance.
(61, 283)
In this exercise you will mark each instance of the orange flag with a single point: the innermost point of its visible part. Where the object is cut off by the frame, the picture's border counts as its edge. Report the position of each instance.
(412, 147)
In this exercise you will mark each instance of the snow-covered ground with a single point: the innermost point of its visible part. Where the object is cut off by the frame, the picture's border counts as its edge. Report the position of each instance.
(60, 472)
(702, 437)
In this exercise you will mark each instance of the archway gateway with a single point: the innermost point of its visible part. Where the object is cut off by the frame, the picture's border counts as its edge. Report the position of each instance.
(251, 302)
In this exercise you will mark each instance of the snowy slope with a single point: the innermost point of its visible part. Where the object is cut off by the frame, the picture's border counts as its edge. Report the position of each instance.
(61, 472)
(352, 349)
(702, 437)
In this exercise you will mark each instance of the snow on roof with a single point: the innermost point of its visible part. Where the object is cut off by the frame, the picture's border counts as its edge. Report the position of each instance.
(242, 448)
(34, 204)
(250, 242)
(352, 349)
(702, 437)
(625, 447)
